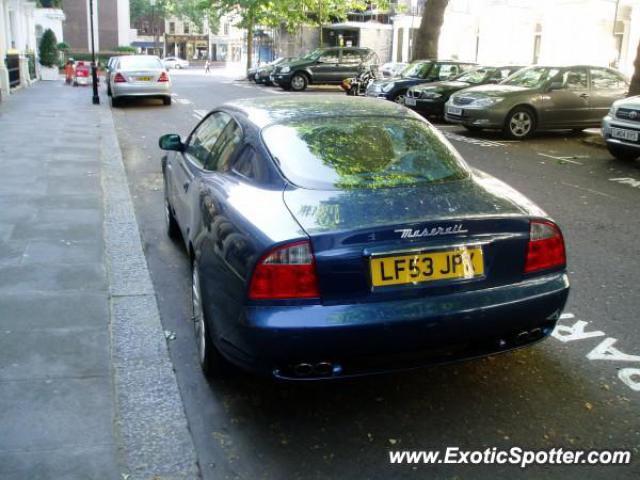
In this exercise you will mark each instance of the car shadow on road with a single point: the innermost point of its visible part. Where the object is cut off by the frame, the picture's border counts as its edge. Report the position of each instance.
(498, 401)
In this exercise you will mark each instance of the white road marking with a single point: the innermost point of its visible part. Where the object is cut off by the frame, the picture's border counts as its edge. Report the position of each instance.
(567, 159)
(627, 181)
(474, 141)
(199, 114)
(587, 189)
(604, 351)
(183, 101)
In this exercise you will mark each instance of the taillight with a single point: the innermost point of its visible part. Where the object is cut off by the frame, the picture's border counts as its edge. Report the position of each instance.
(163, 77)
(546, 247)
(286, 272)
(118, 78)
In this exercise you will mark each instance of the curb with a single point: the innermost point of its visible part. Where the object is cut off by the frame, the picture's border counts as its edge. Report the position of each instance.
(151, 428)
(594, 141)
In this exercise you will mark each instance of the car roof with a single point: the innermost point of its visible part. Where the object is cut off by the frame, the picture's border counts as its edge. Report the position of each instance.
(269, 110)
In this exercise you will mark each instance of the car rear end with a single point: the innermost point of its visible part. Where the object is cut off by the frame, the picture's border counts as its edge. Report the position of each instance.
(140, 76)
(394, 272)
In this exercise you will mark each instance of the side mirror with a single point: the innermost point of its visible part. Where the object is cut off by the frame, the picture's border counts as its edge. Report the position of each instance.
(171, 141)
(556, 86)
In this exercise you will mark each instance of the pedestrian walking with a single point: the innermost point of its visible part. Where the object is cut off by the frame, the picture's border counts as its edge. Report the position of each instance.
(206, 66)
(68, 72)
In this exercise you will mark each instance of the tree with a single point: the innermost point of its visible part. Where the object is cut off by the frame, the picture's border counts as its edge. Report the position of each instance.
(48, 51)
(634, 88)
(427, 36)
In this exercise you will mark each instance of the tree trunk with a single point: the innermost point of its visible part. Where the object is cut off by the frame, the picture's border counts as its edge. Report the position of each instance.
(634, 88)
(250, 27)
(426, 38)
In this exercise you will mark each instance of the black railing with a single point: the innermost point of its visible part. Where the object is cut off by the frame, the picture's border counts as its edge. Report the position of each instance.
(13, 66)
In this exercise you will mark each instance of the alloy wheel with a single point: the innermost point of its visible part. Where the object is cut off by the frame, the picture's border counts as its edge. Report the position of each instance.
(297, 82)
(520, 124)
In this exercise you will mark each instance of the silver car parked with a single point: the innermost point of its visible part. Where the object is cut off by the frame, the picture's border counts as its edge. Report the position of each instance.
(139, 76)
(539, 98)
(621, 128)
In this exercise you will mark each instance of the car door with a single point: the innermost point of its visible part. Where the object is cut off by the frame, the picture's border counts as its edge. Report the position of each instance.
(190, 165)
(566, 104)
(351, 63)
(326, 67)
(607, 85)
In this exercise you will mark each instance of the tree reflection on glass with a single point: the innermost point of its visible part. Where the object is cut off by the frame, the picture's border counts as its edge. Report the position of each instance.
(345, 153)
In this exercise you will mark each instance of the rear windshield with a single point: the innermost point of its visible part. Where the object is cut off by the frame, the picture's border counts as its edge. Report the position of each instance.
(127, 63)
(339, 153)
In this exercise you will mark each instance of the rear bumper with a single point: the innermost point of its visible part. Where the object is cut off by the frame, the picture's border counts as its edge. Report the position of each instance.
(367, 338)
(151, 89)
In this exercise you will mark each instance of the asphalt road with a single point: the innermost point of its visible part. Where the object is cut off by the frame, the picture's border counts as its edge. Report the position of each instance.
(565, 392)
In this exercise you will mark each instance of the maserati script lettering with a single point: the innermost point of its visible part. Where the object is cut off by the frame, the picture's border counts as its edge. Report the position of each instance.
(431, 232)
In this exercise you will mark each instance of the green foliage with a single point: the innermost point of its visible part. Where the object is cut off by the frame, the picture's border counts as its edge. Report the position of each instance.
(62, 46)
(48, 52)
(193, 10)
(124, 49)
(49, 3)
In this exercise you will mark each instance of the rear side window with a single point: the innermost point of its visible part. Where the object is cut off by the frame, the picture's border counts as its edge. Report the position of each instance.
(342, 153)
(246, 164)
(329, 56)
(351, 57)
(603, 79)
(224, 148)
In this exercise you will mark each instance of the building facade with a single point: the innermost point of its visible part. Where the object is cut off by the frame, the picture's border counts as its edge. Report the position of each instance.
(110, 19)
(17, 44)
(599, 32)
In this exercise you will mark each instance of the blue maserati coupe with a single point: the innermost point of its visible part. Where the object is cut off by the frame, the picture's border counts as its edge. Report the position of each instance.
(333, 237)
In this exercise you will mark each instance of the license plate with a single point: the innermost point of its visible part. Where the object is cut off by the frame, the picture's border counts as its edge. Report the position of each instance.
(454, 111)
(459, 263)
(623, 134)
(143, 79)
(410, 101)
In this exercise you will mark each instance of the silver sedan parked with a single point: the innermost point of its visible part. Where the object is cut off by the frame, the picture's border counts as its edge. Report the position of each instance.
(139, 76)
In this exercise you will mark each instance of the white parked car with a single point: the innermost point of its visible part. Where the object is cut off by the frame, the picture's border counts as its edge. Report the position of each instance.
(621, 128)
(175, 62)
(139, 76)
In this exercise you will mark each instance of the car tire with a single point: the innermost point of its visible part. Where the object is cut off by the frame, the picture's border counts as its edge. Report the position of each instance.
(399, 98)
(622, 153)
(212, 363)
(115, 102)
(520, 123)
(166, 100)
(299, 82)
(171, 224)
(473, 128)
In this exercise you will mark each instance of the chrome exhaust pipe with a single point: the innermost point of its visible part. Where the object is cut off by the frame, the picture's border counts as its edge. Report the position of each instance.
(323, 368)
(303, 369)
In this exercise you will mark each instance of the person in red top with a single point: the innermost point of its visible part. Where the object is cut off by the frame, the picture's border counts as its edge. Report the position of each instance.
(68, 72)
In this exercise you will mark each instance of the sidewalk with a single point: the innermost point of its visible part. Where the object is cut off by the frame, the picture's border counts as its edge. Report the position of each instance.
(87, 390)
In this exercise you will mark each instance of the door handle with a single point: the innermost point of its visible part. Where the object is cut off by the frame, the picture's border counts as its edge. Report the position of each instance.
(584, 95)
(186, 187)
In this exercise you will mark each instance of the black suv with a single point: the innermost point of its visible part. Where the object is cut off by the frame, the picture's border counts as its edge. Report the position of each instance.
(420, 71)
(323, 66)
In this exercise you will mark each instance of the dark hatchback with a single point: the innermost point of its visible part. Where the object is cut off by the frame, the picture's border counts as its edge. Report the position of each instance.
(420, 71)
(429, 98)
(335, 237)
(329, 66)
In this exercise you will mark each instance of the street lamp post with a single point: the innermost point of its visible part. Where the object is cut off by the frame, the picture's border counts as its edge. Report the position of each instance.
(94, 72)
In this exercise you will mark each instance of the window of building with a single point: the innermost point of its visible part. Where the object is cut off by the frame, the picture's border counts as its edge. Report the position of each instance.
(186, 28)
(172, 27)
(226, 29)
(537, 42)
